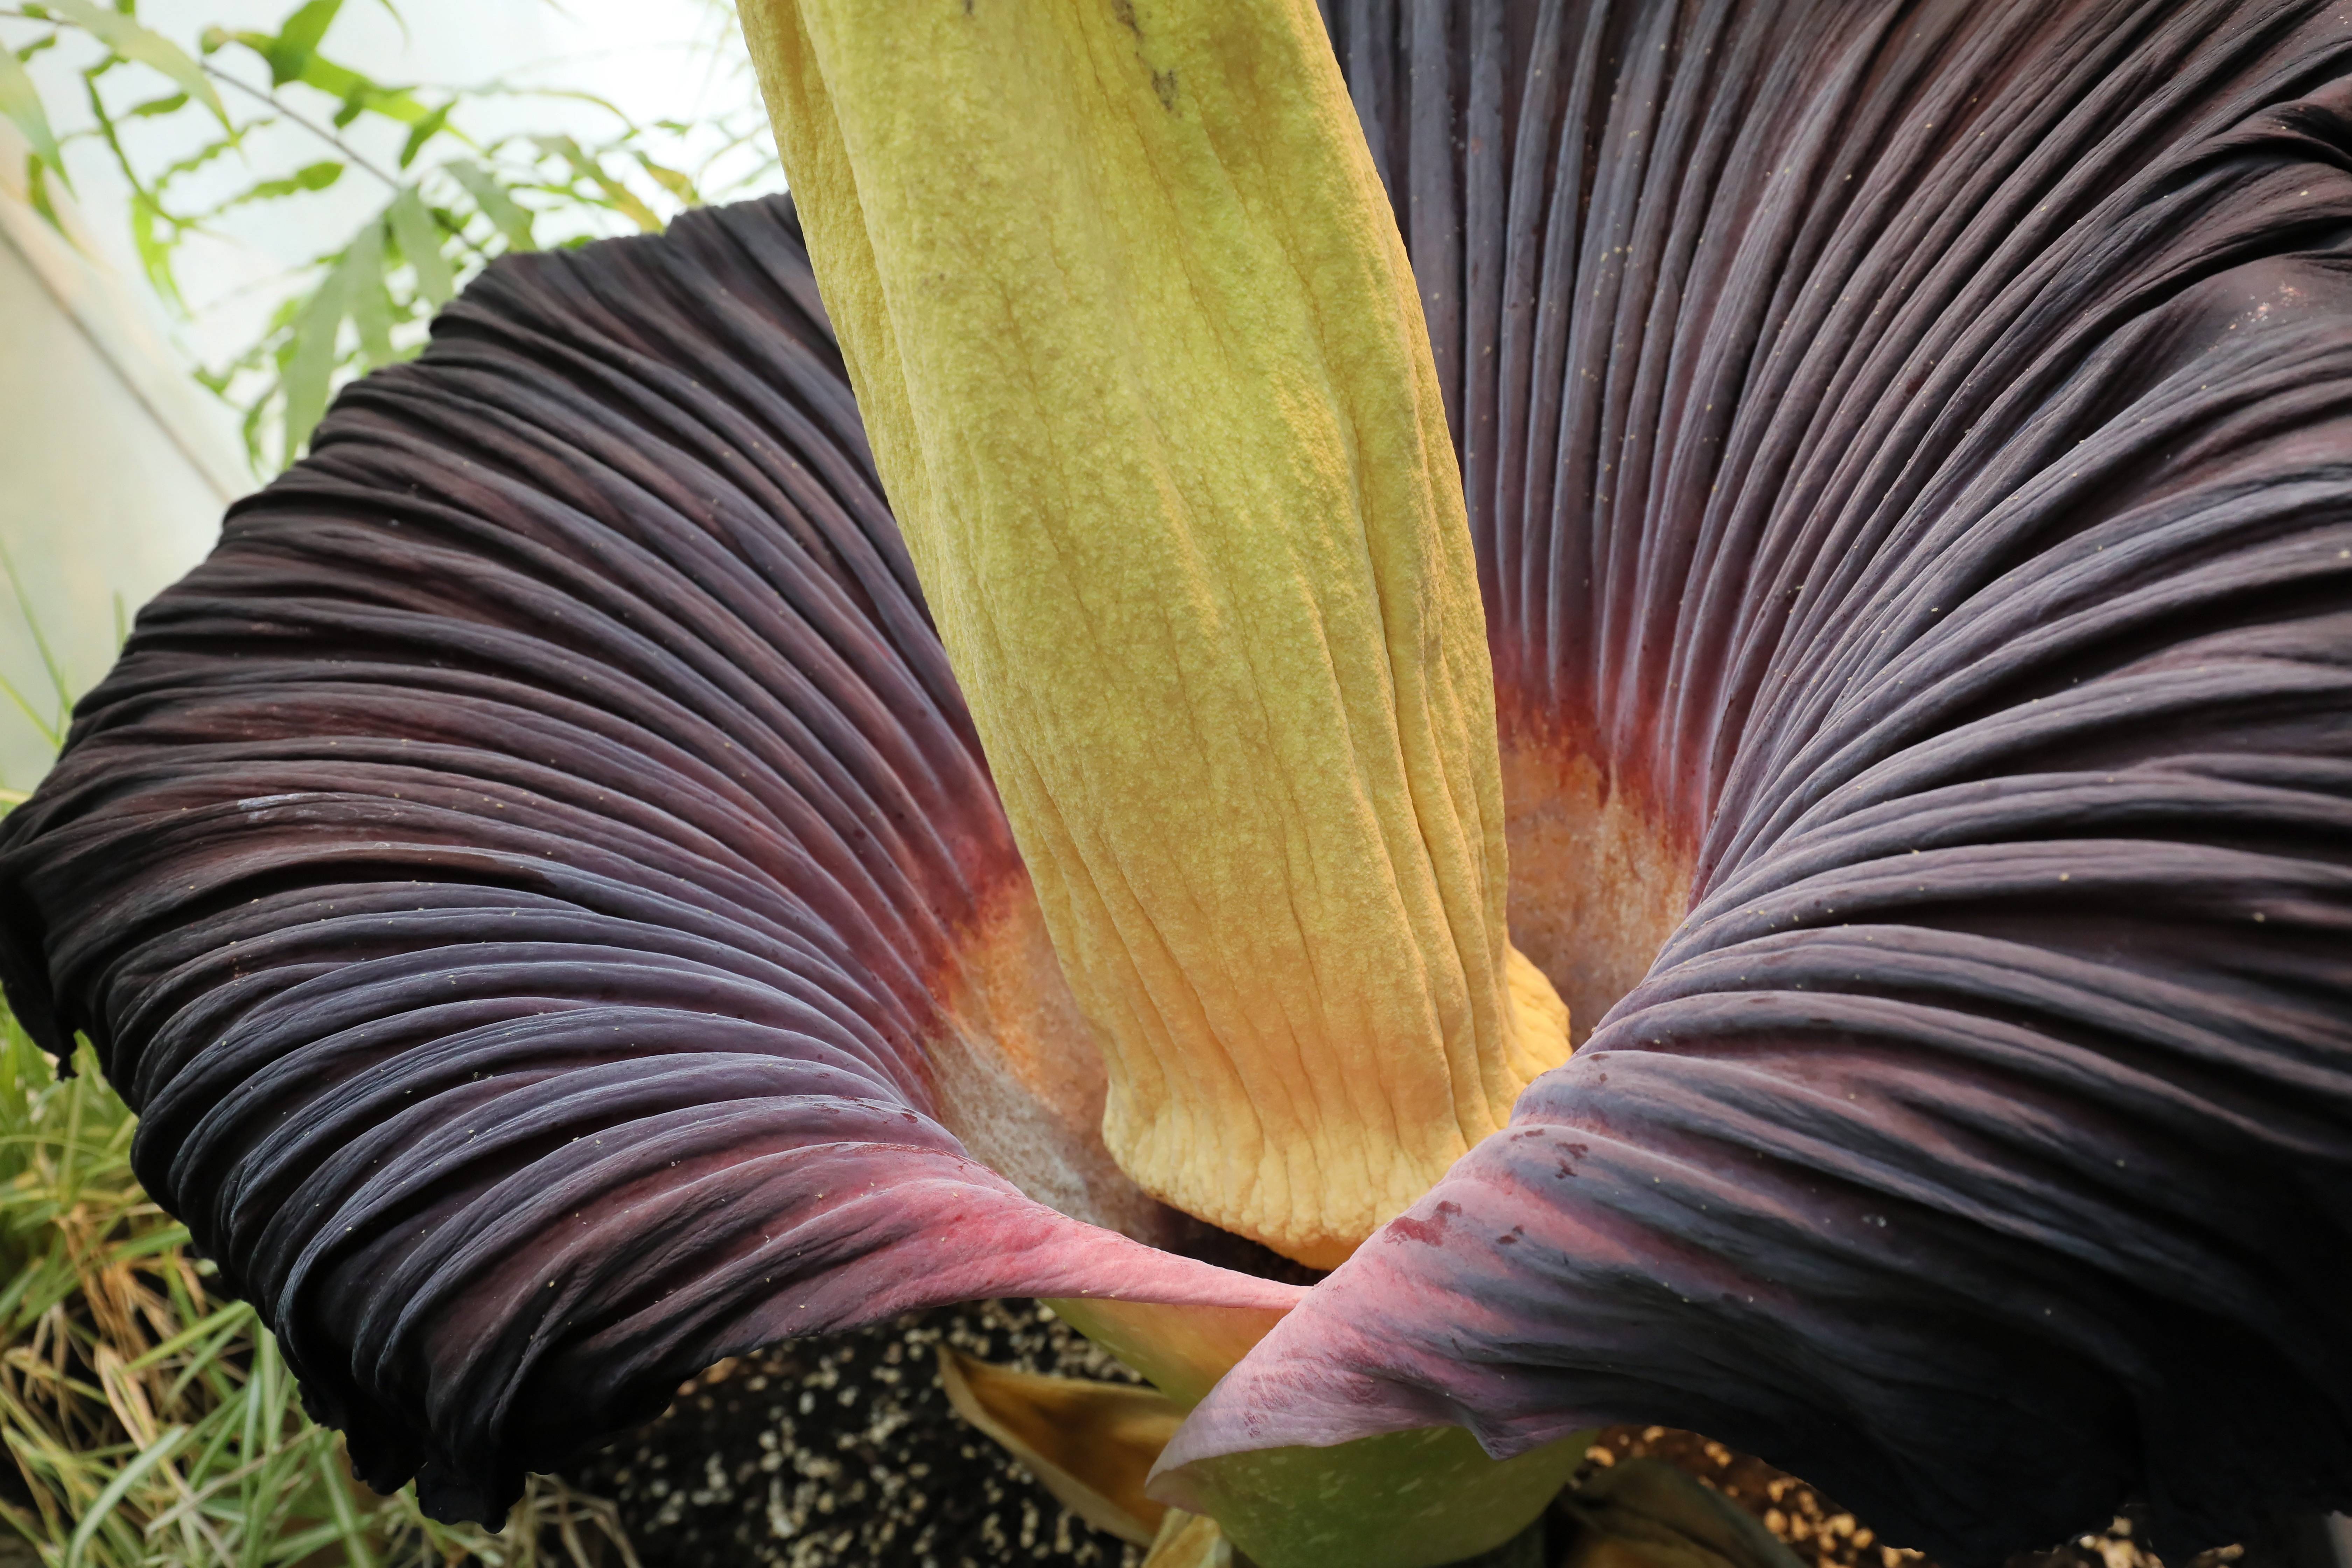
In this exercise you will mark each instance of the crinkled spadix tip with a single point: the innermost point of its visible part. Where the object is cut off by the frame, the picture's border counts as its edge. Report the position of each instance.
(1148, 385)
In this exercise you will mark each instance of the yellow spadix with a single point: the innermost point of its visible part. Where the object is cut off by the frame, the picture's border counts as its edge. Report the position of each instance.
(1148, 385)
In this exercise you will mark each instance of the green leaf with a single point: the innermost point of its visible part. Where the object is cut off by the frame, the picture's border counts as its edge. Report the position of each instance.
(1404, 1499)
(310, 359)
(197, 159)
(372, 97)
(133, 42)
(155, 106)
(671, 180)
(315, 176)
(369, 306)
(21, 102)
(148, 224)
(298, 39)
(359, 94)
(37, 190)
(497, 206)
(618, 197)
(423, 132)
(419, 238)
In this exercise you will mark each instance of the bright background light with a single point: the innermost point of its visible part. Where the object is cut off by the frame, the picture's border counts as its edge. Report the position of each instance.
(114, 465)
(652, 59)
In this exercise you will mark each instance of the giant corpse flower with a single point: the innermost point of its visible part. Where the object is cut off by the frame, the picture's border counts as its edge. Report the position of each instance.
(1828, 582)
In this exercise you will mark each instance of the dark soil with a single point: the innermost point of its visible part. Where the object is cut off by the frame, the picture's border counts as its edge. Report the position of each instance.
(844, 1452)
(1827, 1536)
(1819, 1531)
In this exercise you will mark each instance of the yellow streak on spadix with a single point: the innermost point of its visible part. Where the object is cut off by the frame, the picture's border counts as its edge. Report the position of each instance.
(1148, 385)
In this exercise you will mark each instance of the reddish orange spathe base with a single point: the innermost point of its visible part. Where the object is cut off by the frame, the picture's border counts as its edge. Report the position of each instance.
(1599, 881)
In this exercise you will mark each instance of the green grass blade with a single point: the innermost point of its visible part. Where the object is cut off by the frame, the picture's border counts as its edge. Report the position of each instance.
(166, 1443)
(231, 1318)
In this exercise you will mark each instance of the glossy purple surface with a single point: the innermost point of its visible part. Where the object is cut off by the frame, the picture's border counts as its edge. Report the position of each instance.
(1909, 446)
(510, 877)
(1914, 444)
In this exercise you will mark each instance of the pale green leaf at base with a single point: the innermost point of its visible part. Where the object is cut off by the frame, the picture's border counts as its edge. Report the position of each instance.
(1183, 1350)
(1405, 1500)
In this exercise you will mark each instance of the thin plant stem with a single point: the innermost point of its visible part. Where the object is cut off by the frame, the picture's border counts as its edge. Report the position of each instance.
(359, 160)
